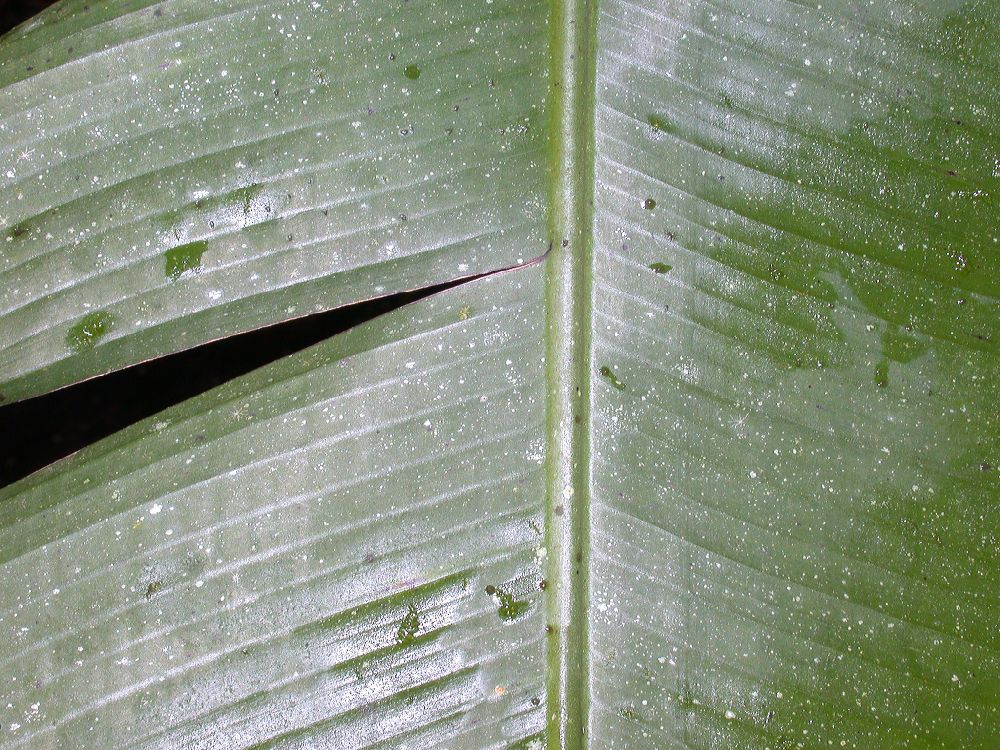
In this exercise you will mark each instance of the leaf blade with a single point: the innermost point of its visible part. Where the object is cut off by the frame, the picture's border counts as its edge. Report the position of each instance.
(206, 557)
(264, 141)
(786, 520)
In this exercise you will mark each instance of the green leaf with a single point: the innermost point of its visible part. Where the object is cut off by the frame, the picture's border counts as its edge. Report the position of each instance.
(300, 558)
(720, 473)
(192, 170)
(788, 550)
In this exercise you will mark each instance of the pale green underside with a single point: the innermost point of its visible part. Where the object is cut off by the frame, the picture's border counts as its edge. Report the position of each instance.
(794, 536)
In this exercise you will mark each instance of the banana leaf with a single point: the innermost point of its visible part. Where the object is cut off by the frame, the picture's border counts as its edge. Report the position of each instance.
(706, 459)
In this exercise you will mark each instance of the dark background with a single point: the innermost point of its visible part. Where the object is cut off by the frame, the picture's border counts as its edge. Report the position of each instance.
(36, 432)
(12, 12)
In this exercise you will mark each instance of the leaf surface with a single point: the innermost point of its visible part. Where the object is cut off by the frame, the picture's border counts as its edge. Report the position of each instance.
(188, 170)
(721, 474)
(793, 505)
(300, 558)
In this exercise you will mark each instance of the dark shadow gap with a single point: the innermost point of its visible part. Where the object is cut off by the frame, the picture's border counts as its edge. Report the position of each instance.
(13, 12)
(36, 432)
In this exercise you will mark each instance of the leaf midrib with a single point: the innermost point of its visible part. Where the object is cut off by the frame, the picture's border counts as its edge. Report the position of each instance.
(572, 81)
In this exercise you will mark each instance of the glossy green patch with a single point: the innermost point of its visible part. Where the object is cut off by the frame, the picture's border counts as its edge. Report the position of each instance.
(608, 375)
(184, 258)
(510, 608)
(18, 231)
(92, 328)
(660, 124)
(385, 607)
(408, 627)
(242, 198)
(412, 72)
(901, 347)
(153, 588)
(882, 374)
(245, 196)
(660, 267)
(649, 204)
